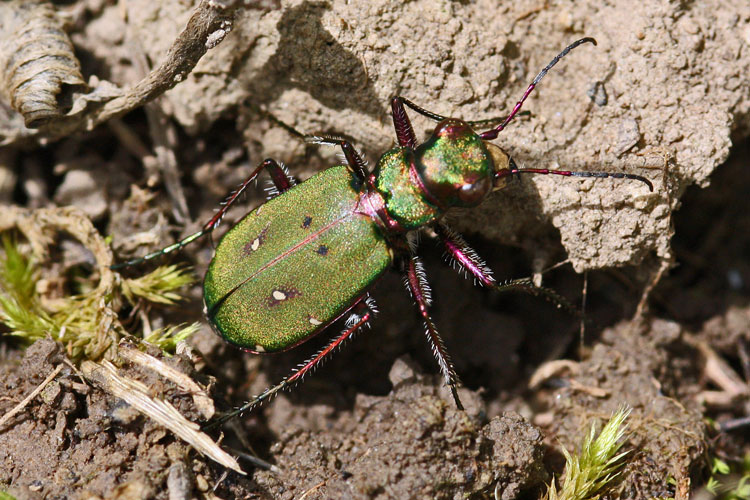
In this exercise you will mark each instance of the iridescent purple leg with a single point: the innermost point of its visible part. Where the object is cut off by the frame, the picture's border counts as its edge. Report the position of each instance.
(467, 260)
(281, 182)
(361, 313)
(417, 285)
(402, 124)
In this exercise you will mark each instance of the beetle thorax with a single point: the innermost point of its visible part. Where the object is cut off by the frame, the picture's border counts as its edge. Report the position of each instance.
(397, 181)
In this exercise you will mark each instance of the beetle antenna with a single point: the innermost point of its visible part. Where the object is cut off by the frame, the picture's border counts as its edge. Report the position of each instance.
(513, 170)
(492, 133)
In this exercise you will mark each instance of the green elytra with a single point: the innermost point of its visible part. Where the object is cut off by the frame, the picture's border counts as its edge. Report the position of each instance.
(286, 269)
(308, 256)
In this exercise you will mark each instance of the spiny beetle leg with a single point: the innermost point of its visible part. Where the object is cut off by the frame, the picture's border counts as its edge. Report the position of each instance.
(463, 255)
(469, 261)
(417, 285)
(492, 133)
(361, 313)
(281, 181)
(402, 124)
(353, 158)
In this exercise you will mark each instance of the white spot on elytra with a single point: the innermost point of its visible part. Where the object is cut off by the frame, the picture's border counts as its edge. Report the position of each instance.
(278, 295)
(315, 322)
(255, 244)
(259, 348)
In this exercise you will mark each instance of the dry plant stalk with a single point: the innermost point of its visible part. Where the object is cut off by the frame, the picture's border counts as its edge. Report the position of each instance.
(20, 406)
(201, 399)
(210, 23)
(136, 394)
(36, 61)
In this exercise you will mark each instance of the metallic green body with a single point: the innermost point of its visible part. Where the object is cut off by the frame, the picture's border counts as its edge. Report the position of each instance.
(404, 199)
(298, 262)
(295, 264)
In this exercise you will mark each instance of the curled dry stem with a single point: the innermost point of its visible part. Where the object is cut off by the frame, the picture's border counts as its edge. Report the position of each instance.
(208, 26)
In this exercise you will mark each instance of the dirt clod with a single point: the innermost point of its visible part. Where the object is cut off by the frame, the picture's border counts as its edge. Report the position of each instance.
(441, 452)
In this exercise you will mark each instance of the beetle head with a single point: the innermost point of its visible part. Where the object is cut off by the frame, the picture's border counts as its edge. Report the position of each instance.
(455, 165)
(458, 168)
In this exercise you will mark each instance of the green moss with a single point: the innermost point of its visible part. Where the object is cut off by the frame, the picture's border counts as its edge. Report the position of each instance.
(168, 338)
(593, 471)
(77, 320)
(157, 286)
(20, 309)
(730, 481)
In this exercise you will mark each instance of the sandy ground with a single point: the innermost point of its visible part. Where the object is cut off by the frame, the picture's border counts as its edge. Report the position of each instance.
(664, 95)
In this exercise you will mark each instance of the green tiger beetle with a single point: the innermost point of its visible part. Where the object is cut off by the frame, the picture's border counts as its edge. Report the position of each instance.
(308, 256)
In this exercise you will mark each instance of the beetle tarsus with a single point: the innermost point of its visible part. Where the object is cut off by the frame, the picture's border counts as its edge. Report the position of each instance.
(164, 251)
(469, 261)
(256, 401)
(281, 181)
(454, 391)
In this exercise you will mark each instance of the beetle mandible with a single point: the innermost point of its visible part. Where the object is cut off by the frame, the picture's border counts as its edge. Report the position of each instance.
(278, 276)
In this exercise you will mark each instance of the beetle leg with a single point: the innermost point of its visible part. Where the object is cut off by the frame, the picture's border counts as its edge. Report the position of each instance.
(353, 157)
(397, 105)
(416, 283)
(281, 180)
(362, 312)
(404, 129)
(466, 260)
